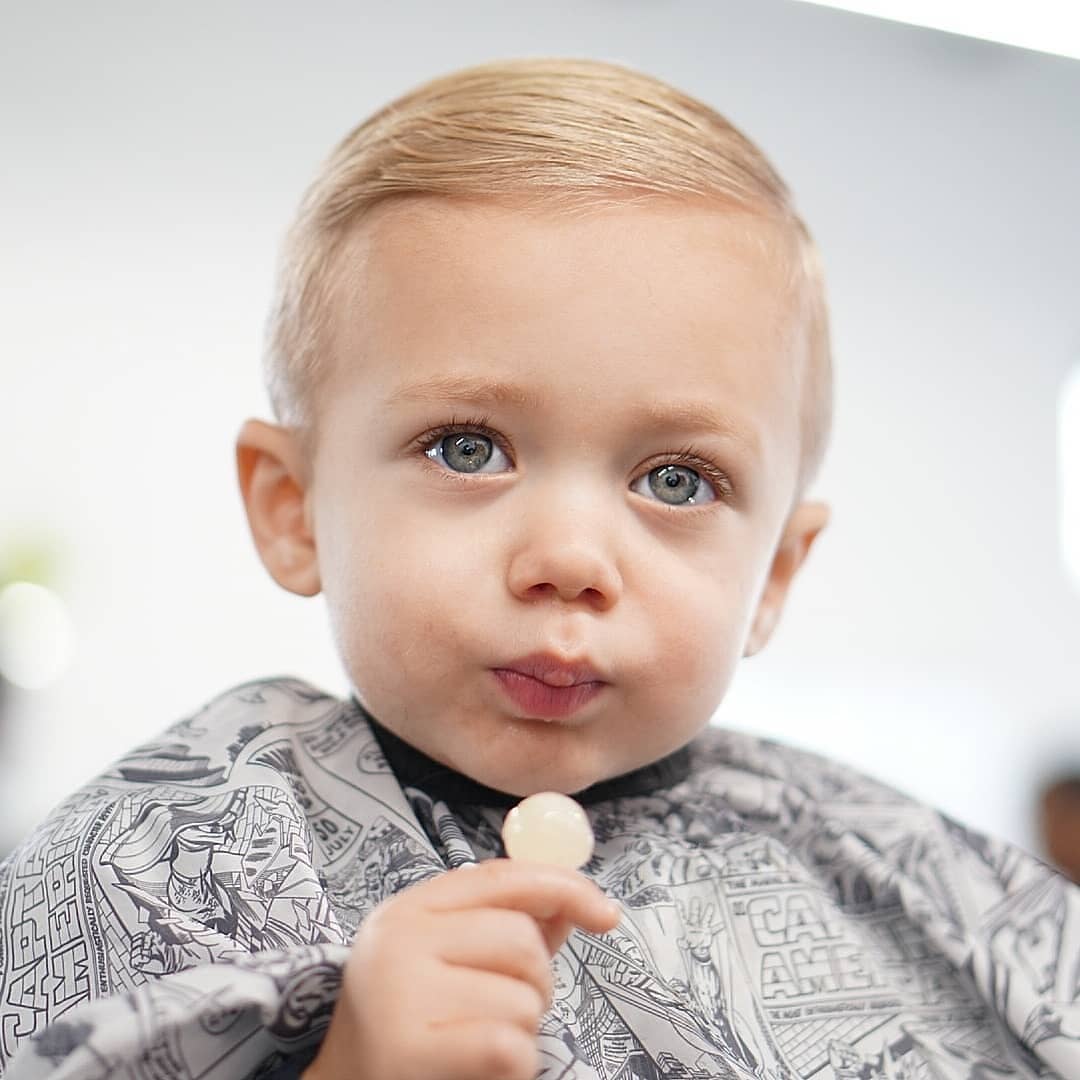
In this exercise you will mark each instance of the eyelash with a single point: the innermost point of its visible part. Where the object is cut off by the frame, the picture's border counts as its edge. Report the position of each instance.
(481, 425)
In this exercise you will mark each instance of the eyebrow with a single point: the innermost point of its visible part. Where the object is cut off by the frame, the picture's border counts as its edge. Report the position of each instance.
(468, 389)
(477, 390)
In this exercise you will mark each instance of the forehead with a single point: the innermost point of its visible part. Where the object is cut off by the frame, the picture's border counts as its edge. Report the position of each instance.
(624, 305)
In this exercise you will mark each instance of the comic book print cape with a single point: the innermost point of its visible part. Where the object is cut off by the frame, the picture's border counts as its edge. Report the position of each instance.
(188, 913)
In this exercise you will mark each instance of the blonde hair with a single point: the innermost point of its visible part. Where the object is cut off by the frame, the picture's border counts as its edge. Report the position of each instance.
(548, 133)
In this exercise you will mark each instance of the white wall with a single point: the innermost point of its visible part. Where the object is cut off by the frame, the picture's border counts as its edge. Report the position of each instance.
(152, 157)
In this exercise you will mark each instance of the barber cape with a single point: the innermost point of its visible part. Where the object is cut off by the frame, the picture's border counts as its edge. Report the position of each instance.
(189, 912)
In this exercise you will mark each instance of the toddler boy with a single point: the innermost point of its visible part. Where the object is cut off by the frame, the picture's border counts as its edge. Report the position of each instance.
(550, 366)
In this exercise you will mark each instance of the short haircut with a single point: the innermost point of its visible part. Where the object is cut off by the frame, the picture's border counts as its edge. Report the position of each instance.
(566, 134)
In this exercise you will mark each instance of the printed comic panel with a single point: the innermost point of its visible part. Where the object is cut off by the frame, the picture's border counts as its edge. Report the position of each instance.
(47, 966)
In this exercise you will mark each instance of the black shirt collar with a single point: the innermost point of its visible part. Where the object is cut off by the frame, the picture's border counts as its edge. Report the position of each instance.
(415, 769)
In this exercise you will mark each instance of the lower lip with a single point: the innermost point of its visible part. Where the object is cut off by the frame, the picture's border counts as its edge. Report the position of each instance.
(540, 700)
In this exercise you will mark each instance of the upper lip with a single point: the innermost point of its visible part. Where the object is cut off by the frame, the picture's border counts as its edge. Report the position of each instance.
(554, 670)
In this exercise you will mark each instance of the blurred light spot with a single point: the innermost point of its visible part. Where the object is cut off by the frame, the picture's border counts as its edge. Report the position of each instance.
(1069, 471)
(35, 635)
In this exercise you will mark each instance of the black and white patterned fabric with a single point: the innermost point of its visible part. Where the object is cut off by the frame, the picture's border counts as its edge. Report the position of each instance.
(188, 913)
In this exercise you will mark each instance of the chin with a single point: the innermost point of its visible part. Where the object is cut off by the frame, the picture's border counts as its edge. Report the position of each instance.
(566, 782)
(527, 768)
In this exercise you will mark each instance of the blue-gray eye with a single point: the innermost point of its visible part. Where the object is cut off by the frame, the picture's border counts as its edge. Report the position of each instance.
(464, 452)
(674, 484)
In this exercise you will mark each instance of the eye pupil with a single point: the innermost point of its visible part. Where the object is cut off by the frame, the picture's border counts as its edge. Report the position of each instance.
(466, 453)
(674, 480)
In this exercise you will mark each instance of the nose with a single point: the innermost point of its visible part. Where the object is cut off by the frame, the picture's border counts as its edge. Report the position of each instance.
(565, 556)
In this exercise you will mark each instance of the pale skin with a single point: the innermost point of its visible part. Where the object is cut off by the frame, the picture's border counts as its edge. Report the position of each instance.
(564, 539)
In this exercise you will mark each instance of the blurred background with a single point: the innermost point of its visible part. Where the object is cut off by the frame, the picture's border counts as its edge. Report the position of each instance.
(153, 156)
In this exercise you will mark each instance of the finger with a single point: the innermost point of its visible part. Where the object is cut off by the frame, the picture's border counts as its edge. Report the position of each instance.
(555, 932)
(485, 1048)
(495, 939)
(466, 994)
(544, 892)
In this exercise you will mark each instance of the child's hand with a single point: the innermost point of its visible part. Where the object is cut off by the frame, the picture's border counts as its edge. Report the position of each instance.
(449, 980)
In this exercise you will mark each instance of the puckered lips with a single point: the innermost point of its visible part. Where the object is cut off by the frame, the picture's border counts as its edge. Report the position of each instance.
(549, 687)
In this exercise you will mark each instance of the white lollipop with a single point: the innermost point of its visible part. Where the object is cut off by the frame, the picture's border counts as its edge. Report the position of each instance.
(550, 828)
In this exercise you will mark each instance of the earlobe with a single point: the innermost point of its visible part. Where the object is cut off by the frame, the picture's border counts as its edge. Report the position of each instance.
(803, 527)
(274, 489)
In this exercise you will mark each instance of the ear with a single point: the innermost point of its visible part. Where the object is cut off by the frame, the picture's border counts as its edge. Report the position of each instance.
(274, 489)
(802, 528)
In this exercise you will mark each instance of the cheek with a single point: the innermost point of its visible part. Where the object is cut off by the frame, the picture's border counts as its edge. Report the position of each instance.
(697, 631)
(391, 579)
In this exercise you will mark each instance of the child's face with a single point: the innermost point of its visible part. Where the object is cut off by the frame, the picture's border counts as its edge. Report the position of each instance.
(552, 528)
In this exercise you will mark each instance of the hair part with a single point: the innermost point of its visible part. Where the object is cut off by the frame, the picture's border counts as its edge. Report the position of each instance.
(562, 135)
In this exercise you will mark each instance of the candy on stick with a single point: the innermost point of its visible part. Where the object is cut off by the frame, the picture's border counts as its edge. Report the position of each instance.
(550, 828)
